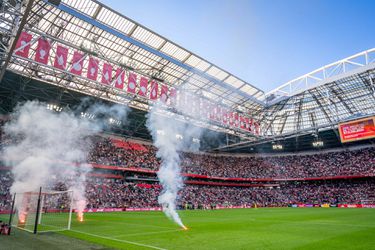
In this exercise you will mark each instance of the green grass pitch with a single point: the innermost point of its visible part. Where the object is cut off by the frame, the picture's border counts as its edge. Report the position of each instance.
(262, 228)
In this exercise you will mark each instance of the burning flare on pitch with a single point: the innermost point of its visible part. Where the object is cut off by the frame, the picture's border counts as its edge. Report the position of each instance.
(185, 228)
(80, 216)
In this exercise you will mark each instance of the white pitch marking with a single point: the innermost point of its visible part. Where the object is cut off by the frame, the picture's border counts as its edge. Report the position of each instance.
(124, 241)
(136, 234)
(134, 224)
(320, 223)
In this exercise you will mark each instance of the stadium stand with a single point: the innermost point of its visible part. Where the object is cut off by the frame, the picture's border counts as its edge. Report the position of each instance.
(362, 162)
(112, 193)
(348, 172)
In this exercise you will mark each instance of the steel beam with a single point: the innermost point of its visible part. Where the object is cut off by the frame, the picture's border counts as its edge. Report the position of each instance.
(17, 35)
(114, 32)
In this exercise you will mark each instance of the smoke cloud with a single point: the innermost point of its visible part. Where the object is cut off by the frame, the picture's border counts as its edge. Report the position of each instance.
(49, 148)
(171, 136)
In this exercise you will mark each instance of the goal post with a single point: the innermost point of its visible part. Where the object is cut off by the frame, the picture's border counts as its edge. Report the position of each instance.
(43, 211)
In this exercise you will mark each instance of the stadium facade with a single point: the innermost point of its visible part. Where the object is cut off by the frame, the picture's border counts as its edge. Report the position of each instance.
(60, 52)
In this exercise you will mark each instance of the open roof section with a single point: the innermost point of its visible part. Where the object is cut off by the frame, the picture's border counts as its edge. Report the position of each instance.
(163, 58)
(328, 73)
(319, 99)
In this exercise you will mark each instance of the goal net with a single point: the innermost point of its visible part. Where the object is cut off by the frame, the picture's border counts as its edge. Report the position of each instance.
(43, 211)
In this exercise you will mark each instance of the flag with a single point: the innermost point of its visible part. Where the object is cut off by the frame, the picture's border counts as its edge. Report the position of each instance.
(188, 104)
(120, 75)
(194, 105)
(200, 107)
(181, 100)
(247, 124)
(143, 84)
(224, 116)
(23, 44)
(251, 122)
(211, 110)
(236, 120)
(231, 119)
(77, 63)
(256, 128)
(214, 112)
(172, 97)
(42, 50)
(204, 109)
(132, 82)
(61, 57)
(92, 69)
(154, 90)
(218, 113)
(164, 93)
(107, 73)
(242, 122)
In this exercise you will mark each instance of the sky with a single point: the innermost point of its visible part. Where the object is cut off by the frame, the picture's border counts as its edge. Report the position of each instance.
(265, 43)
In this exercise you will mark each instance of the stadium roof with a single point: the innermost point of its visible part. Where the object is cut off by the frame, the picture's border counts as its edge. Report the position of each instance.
(98, 30)
(101, 30)
(319, 99)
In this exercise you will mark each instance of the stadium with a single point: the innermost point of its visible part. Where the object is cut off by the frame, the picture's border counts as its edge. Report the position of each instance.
(115, 137)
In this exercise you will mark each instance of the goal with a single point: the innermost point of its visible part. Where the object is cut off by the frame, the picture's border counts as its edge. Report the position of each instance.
(42, 211)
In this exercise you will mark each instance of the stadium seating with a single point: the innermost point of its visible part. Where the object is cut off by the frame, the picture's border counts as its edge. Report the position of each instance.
(343, 163)
(109, 190)
(112, 193)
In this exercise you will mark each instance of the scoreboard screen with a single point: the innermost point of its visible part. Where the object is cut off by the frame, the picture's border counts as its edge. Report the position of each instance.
(357, 130)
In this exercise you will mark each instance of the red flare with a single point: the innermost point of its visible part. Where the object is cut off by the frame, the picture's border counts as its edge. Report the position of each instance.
(22, 218)
(80, 216)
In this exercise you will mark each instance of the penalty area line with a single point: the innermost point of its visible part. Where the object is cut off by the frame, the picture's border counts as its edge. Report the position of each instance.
(118, 240)
(133, 224)
(147, 233)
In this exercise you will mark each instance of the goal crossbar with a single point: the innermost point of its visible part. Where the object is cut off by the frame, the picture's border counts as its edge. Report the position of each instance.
(44, 211)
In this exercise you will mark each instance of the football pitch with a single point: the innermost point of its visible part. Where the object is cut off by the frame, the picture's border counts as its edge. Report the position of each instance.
(262, 228)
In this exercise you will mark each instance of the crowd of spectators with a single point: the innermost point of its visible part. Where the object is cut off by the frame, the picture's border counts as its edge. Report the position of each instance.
(104, 152)
(101, 192)
(356, 162)
(5, 184)
(115, 193)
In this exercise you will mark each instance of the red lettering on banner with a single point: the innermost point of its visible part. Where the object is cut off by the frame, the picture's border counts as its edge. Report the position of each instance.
(357, 130)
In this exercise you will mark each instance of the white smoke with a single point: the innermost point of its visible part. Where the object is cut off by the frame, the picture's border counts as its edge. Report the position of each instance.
(49, 147)
(170, 137)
